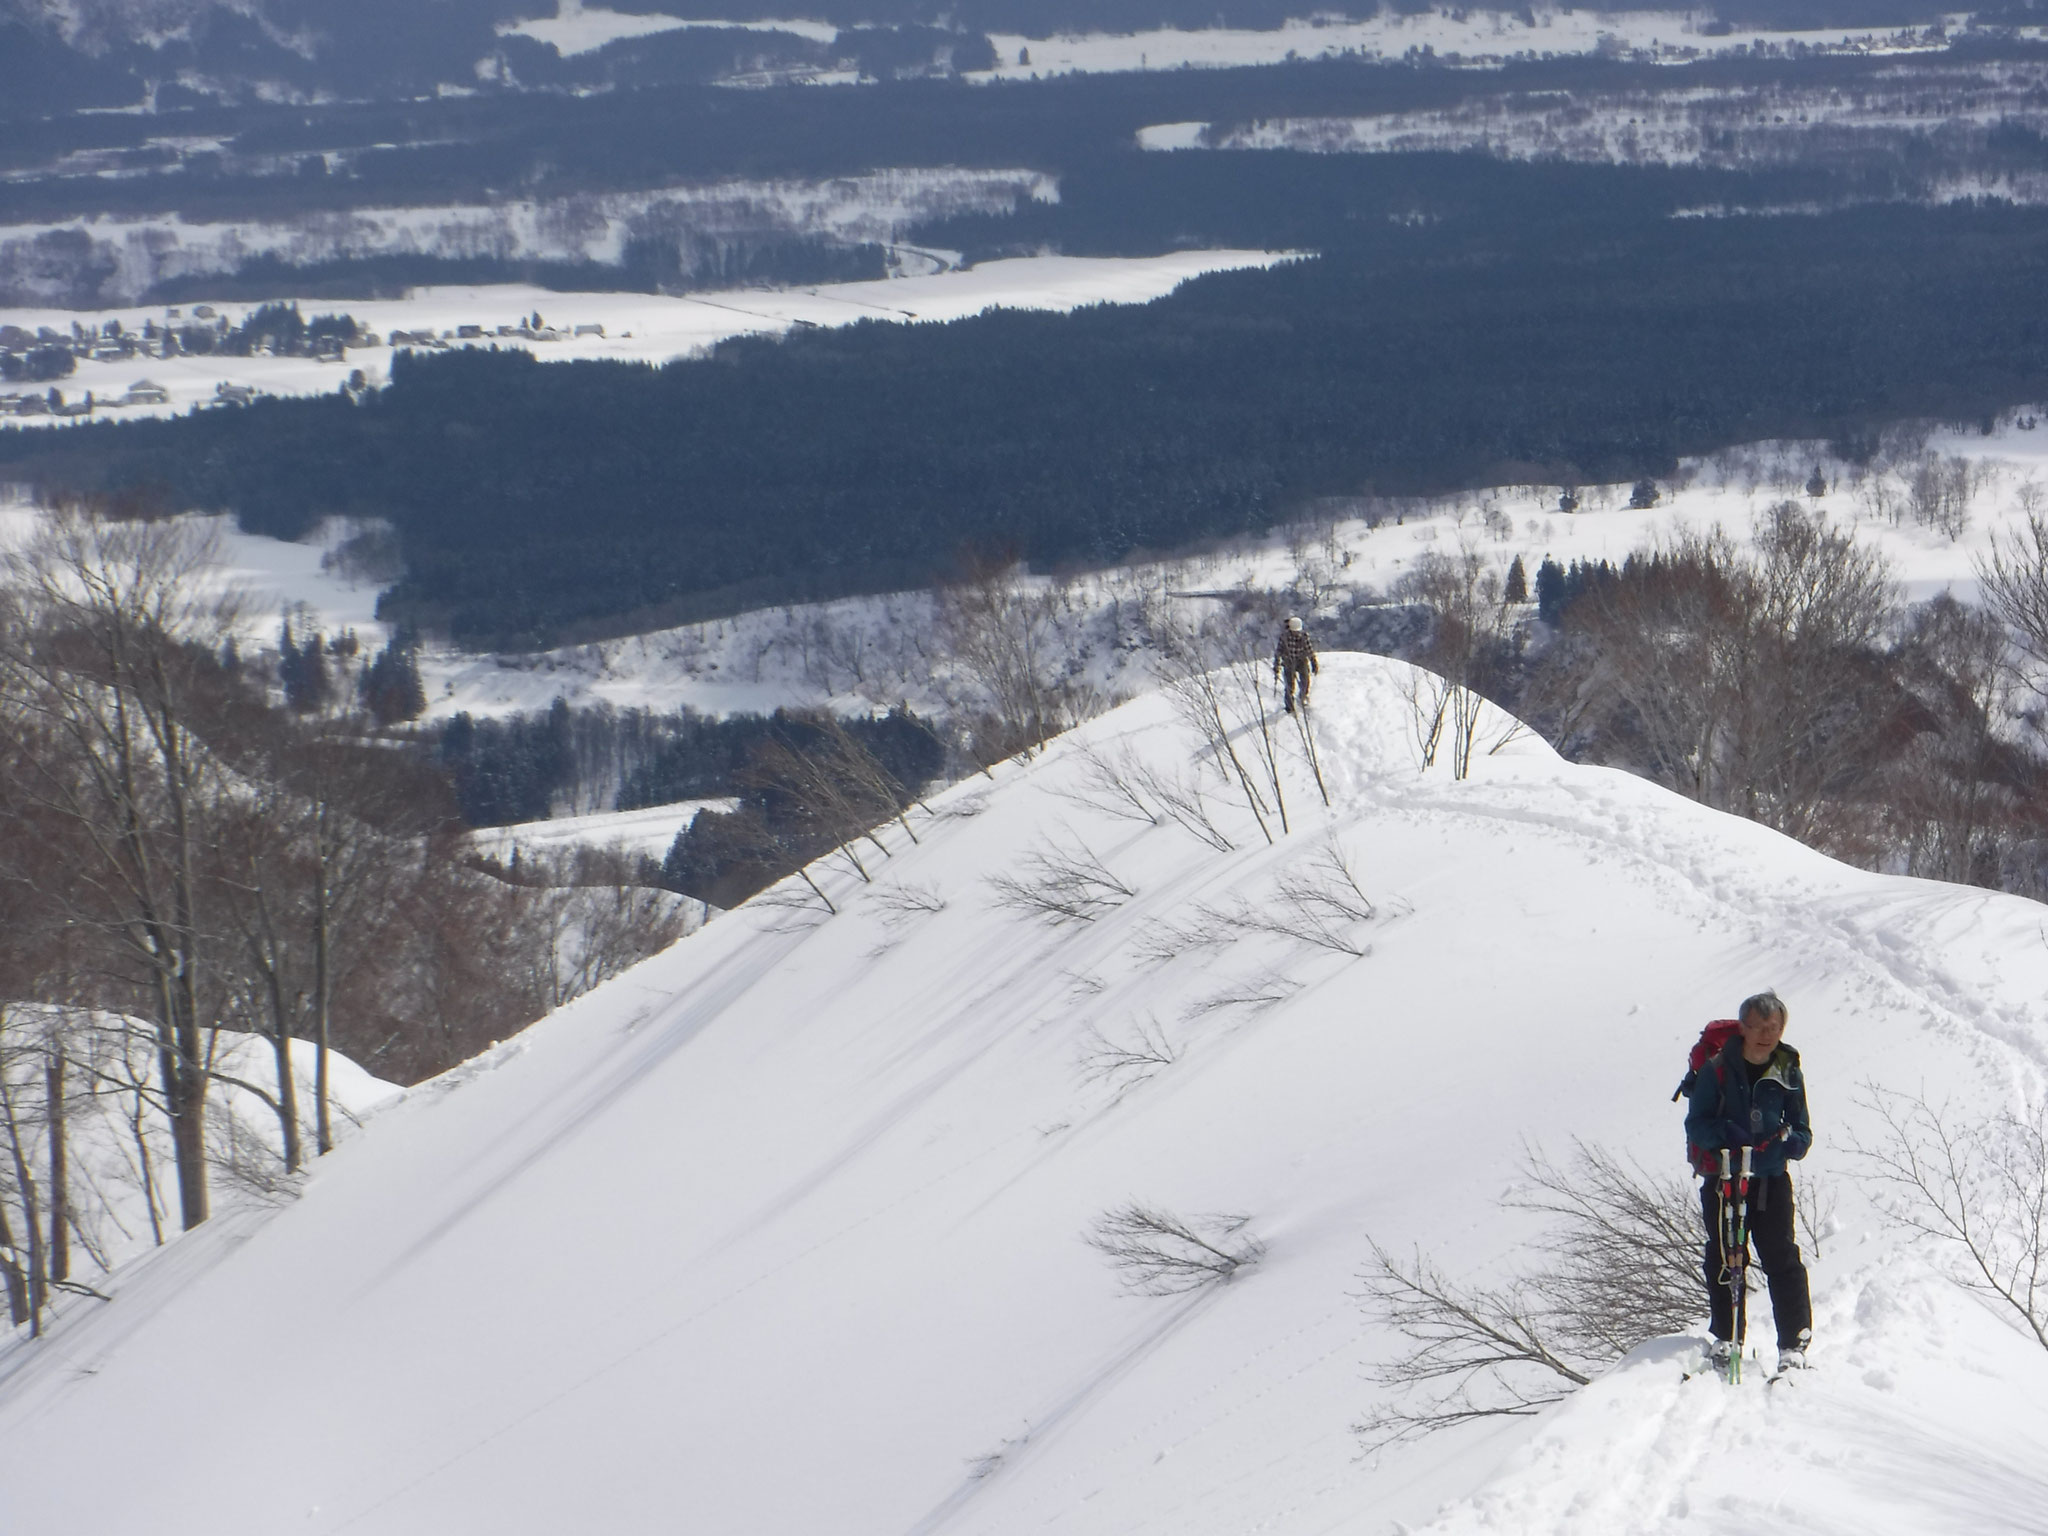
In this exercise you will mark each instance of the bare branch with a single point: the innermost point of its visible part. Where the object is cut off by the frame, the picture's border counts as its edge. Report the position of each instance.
(1168, 939)
(1492, 1343)
(1123, 1064)
(1978, 1186)
(1266, 990)
(1162, 1254)
(903, 901)
(1062, 885)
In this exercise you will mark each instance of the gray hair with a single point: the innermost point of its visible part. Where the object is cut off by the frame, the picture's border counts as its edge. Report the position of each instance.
(1766, 1004)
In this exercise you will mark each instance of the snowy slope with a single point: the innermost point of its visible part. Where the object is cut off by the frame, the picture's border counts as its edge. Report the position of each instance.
(779, 1233)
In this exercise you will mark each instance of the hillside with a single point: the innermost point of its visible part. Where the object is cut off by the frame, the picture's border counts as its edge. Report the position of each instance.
(780, 1232)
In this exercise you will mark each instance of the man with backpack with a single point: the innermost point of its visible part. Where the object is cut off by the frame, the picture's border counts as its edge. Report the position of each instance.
(1747, 1092)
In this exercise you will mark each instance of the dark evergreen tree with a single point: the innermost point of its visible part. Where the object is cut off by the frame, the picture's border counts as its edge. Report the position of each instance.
(1516, 589)
(391, 688)
(1549, 590)
(302, 669)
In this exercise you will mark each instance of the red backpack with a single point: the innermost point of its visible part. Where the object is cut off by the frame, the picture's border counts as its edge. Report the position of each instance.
(1705, 1160)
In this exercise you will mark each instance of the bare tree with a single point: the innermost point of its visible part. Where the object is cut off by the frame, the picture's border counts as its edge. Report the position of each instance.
(1321, 905)
(1109, 785)
(1192, 671)
(1473, 624)
(1623, 1247)
(1754, 684)
(1160, 1253)
(1939, 493)
(2014, 574)
(1978, 1186)
(1267, 989)
(1001, 630)
(109, 654)
(1165, 939)
(1125, 1063)
(905, 901)
(1618, 1264)
(1491, 1345)
(1950, 796)
(1061, 885)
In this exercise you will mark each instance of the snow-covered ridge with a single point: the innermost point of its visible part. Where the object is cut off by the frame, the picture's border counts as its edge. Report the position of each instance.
(784, 1223)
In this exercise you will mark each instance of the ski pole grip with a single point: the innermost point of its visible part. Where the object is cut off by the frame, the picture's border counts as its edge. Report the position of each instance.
(1747, 1154)
(1724, 1162)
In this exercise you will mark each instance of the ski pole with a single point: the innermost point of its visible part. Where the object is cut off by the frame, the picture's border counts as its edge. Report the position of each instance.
(1740, 1282)
(1725, 1234)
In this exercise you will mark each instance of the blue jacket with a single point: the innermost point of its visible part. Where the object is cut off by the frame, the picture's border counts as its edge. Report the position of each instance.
(1727, 1111)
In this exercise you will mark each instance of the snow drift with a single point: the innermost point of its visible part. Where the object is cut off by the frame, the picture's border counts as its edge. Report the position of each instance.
(781, 1231)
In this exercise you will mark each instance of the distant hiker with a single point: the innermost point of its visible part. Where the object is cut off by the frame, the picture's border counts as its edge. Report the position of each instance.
(1749, 1092)
(1294, 658)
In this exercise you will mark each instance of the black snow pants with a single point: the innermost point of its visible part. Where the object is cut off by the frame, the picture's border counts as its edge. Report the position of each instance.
(1296, 675)
(1771, 1231)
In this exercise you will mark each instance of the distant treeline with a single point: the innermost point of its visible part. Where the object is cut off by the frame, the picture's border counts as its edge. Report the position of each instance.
(275, 161)
(1552, 329)
(526, 767)
(397, 49)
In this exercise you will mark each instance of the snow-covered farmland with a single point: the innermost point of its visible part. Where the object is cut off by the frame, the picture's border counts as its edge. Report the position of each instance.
(639, 327)
(1453, 35)
(131, 255)
(780, 1232)
(649, 831)
(1754, 125)
(578, 28)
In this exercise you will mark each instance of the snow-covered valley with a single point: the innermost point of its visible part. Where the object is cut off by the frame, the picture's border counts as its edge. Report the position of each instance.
(781, 1231)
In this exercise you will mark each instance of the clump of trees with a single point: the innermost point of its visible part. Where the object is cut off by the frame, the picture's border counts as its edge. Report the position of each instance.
(195, 850)
(1786, 680)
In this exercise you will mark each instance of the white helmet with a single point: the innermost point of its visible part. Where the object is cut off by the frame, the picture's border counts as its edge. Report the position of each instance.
(1293, 623)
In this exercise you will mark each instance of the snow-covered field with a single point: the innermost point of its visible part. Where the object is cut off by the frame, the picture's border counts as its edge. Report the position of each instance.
(578, 28)
(649, 831)
(640, 327)
(1454, 35)
(780, 1232)
(131, 255)
(1703, 126)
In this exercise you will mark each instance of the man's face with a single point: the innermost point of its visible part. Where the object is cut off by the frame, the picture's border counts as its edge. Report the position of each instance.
(1761, 1033)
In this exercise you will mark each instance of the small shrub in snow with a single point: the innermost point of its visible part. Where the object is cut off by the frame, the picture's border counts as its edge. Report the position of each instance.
(1162, 1254)
(1620, 1264)
(1125, 1063)
(1062, 885)
(1977, 1186)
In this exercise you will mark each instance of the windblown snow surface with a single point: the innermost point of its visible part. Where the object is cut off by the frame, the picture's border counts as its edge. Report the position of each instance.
(781, 1231)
